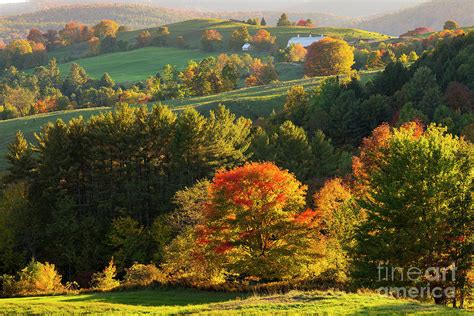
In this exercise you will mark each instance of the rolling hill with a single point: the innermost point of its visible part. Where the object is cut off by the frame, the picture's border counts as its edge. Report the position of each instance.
(134, 16)
(431, 14)
(137, 64)
(191, 31)
(249, 102)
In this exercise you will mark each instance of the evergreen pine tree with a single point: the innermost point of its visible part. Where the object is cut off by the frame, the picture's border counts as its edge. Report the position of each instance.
(283, 21)
(106, 81)
(293, 151)
(20, 158)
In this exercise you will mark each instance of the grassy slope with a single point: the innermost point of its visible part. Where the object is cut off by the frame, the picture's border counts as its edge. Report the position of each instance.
(181, 301)
(191, 30)
(249, 102)
(137, 64)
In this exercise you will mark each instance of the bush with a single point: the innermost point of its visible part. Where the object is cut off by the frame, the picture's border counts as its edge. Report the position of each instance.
(105, 280)
(8, 285)
(36, 278)
(143, 275)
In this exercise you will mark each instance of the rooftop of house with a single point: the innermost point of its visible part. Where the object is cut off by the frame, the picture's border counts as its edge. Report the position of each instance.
(306, 41)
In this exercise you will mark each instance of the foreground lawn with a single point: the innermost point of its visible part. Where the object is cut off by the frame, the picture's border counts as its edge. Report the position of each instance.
(184, 301)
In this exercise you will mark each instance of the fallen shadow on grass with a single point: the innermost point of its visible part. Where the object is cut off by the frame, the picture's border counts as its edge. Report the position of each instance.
(158, 297)
(236, 301)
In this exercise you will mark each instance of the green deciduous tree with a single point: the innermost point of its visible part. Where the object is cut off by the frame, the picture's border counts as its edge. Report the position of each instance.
(417, 196)
(284, 21)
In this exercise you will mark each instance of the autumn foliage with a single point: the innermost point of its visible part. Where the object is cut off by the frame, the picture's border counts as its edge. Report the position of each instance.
(329, 57)
(263, 40)
(256, 219)
(106, 28)
(211, 40)
(305, 23)
(296, 53)
(418, 31)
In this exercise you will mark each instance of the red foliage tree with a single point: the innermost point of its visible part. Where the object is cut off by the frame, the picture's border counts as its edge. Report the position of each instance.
(418, 31)
(256, 217)
(459, 97)
(36, 36)
(305, 23)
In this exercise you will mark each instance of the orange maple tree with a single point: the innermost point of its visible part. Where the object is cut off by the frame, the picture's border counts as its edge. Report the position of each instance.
(256, 218)
(263, 40)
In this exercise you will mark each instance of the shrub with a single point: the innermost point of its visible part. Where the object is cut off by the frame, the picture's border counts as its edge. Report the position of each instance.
(8, 285)
(35, 278)
(105, 280)
(143, 275)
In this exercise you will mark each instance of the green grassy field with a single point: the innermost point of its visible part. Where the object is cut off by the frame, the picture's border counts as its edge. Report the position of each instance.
(186, 301)
(137, 64)
(191, 30)
(249, 102)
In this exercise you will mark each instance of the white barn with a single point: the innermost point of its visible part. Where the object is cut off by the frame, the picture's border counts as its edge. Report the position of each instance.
(247, 47)
(305, 41)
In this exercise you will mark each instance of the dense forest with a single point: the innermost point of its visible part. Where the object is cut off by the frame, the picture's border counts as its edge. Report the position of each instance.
(342, 180)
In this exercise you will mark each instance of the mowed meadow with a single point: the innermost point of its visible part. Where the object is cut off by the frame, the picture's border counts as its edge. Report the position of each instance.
(191, 31)
(186, 301)
(135, 65)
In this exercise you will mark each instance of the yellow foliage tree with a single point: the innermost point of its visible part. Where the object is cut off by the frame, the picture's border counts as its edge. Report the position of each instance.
(328, 57)
(106, 28)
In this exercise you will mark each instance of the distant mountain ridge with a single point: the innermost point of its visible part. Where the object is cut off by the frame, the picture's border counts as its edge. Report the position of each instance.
(431, 14)
(135, 16)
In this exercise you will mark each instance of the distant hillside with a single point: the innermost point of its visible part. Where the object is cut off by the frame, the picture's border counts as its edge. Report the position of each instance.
(351, 8)
(191, 31)
(134, 16)
(17, 8)
(432, 14)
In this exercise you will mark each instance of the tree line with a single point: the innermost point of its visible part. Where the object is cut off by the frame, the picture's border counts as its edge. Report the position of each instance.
(47, 90)
(32, 51)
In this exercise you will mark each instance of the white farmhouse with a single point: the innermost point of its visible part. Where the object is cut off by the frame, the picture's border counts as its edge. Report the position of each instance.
(247, 47)
(305, 41)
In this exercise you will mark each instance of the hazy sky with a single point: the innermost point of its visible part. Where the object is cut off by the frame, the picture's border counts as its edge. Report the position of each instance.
(350, 8)
(11, 1)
